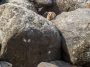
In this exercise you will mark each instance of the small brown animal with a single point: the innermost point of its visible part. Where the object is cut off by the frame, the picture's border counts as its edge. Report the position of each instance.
(88, 5)
(51, 15)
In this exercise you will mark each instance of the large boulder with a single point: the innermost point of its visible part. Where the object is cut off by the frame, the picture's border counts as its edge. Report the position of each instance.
(75, 27)
(26, 38)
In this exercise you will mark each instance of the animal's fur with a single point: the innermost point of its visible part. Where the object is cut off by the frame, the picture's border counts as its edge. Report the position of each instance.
(88, 5)
(51, 15)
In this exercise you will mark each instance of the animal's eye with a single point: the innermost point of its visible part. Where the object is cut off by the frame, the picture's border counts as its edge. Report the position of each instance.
(49, 14)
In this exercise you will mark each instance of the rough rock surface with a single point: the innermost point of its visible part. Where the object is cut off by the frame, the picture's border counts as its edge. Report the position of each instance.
(82, 3)
(68, 5)
(46, 64)
(44, 2)
(59, 6)
(75, 26)
(54, 64)
(26, 38)
(65, 5)
(23, 3)
(5, 64)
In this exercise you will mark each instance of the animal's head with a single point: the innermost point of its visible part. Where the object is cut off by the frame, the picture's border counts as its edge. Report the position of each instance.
(51, 15)
(88, 4)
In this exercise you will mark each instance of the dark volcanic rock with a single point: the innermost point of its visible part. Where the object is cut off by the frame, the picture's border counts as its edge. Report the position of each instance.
(26, 38)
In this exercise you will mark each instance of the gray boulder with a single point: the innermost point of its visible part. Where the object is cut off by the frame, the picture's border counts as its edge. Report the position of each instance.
(55, 64)
(75, 27)
(26, 38)
(23, 3)
(5, 64)
(82, 3)
(65, 5)
(69, 5)
(46, 64)
(43, 2)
